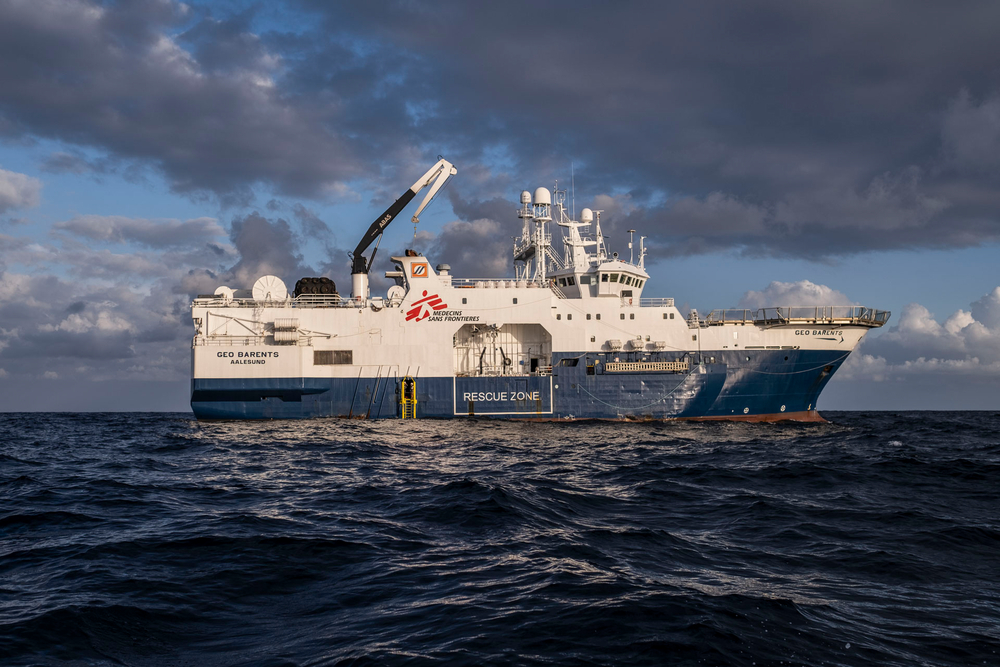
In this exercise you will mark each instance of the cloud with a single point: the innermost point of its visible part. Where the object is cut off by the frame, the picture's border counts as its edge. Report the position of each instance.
(966, 344)
(18, 191)
(151, 233)
(118, 78)
(801, 293)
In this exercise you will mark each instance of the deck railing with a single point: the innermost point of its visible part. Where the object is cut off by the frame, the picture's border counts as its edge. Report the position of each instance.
(830, 315)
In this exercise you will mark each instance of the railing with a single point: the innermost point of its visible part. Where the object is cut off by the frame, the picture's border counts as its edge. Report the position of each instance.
(492, 283)
(303, 301)
(858, 315)
(655, 302)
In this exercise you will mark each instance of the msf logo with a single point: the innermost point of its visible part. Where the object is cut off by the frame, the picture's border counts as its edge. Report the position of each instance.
(421, 309)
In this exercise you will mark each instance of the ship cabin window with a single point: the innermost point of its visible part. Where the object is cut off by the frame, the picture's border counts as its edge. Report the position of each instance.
(569, 316)
(571, 281)
(671, 316)
(593, 339)
(664, 316)
(584, 280)
(558, 316)
(588, 316)
(631, 316)
(464, 301)
(614, 277)
(627, 280)
(515, 300)
(333, 357)
(626, 292)
(623, 316)
(641, 283)
(604, 277)
(562, 281)
(569, 362)
(598, 316)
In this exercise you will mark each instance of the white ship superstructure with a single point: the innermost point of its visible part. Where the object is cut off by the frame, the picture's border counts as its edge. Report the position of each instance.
(570, 336)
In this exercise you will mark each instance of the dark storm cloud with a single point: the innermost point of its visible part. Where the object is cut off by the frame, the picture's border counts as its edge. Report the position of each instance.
(110, 76)
(773, 127)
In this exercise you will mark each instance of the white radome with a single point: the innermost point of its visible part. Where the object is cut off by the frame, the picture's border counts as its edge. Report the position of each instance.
(543, 197)
(586, 215)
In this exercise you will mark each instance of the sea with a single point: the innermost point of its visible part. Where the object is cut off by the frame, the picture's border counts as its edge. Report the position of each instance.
(155, 539)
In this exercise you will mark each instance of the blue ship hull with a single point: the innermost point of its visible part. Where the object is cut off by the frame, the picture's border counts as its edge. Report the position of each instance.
(730, 384)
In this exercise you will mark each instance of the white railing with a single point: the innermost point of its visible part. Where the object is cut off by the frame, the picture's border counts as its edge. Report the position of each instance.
(799, 314)
(655, 302)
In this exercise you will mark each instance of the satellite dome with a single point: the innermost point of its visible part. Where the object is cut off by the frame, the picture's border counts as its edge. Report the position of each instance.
(586, 215)
(543, 196)
(525, 197)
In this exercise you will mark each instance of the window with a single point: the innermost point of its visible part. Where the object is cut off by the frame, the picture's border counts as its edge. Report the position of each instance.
(641, 283)
(515, 300)
(593, 339)
(664, 316)
(626, 292)
(571, 281)
(598, 316)
(622, 316)
(569, 362)
(464, 301)
(614, 277)
(569, 316)
(588, 316)
(332, 357)
(694, 337)
(604, 277)
(584, 280)
(628, 280)
(631, 316)
(671, 316)
(590, 369)
(562, 281)
(558, 316)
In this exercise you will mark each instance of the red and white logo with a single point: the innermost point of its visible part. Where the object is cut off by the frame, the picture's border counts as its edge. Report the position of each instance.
(422, 309)
(418, 269)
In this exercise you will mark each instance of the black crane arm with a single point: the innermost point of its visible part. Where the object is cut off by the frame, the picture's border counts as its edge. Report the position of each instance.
(435, 178)
(359, 264)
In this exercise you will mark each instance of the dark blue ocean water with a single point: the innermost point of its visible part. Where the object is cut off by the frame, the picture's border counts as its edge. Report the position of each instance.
(132, 539)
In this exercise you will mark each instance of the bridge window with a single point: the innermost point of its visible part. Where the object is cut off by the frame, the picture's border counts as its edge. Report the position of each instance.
(604, 277)
(562, 281)
(614, 277)
(571, 281)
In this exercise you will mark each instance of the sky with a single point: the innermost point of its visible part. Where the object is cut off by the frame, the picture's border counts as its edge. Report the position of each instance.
(773, 153)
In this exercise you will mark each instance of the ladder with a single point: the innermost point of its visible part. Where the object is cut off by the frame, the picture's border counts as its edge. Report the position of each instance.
(408, 398)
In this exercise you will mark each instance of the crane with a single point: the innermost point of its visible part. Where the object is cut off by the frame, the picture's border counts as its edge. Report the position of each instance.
(435, 178)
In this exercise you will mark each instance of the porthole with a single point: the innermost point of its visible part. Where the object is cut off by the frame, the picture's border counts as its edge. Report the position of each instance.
(748, 358)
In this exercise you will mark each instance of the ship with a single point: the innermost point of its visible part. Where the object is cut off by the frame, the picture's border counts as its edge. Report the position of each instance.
(571, 336)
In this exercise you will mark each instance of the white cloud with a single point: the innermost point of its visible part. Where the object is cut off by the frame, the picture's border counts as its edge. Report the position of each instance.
(800, 293)
(967, 343)
(18, 191)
